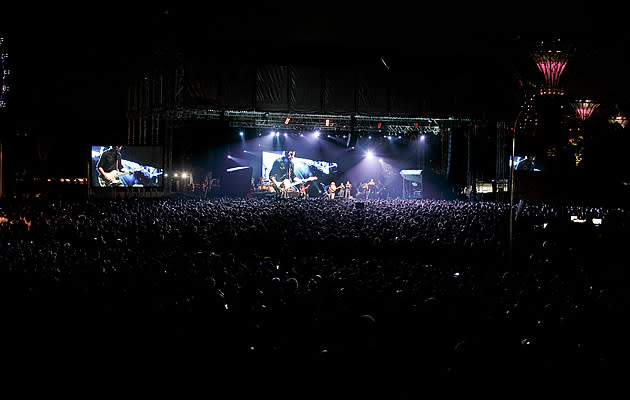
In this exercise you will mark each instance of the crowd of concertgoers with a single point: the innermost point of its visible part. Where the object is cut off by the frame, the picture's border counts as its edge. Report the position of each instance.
(409, 292)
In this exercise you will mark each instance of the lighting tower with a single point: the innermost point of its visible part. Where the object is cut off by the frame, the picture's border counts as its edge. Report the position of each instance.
(4, 74)
(584, 109)
(551, 63)
(619, 119)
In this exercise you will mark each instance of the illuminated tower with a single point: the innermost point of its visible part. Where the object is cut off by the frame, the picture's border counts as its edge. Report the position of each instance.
(618, 117)
(584, 109)
(4, 75)
(620, 120)
(551, 63)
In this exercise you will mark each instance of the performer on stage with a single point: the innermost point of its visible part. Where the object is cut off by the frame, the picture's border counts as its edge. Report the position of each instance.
(332, 188)
(342, 190)
(282, 173)
(348, 190)
(110, 168)
(303, 193)
(368, 187)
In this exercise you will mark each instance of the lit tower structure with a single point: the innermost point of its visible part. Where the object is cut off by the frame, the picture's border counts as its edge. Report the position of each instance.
(619, 119)
(4, 74)
(584, 109)
(552, 64)
(541, 126)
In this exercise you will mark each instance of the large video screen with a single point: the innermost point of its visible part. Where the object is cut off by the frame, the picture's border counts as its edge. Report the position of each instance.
(127, 166)
(524, 163)
(320, 172)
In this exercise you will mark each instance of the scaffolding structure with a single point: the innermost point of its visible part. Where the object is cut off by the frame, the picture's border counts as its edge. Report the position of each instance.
(157, 103)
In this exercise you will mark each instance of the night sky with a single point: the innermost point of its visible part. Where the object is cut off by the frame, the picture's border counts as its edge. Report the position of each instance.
(72, 64)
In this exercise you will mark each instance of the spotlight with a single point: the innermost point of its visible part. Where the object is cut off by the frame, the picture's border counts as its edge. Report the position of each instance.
(287, 120)
(327, 122)
(241, 133)
(369, 154)
(316, 133)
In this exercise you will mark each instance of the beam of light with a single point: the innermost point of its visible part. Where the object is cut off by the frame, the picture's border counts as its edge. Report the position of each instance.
(235, 169)
(239, 161)
(384, 63)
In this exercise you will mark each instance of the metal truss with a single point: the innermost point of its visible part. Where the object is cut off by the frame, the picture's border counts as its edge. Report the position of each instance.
(399, 126)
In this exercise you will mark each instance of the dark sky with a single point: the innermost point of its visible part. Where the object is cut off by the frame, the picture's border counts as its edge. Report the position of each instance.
(61, 54)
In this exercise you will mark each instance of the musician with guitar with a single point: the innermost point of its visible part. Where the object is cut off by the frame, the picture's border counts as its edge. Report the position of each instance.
(282, 174)
(303, 191)
(110, 168)
(332, 188)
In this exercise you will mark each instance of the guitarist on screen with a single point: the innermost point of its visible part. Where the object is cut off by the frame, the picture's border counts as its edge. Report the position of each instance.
(283, 177)
(282, 173)
(110, 168)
